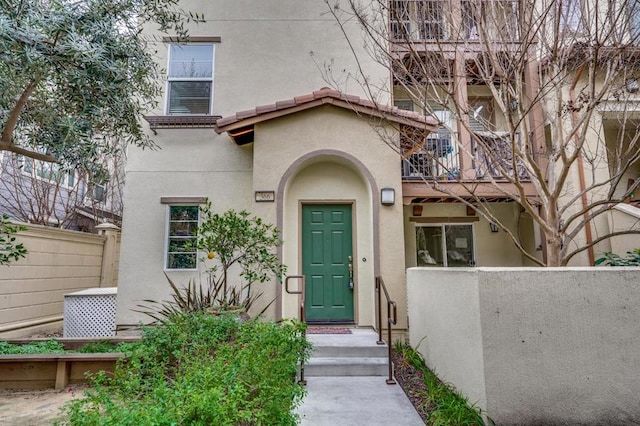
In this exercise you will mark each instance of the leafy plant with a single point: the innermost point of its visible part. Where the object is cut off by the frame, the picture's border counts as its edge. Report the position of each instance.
(632, 258)
(445, 405)
(50, 346)
(198, 368)
(76, 76)
(198, 298)
(239, 251)
(9, 250)
(238, 239)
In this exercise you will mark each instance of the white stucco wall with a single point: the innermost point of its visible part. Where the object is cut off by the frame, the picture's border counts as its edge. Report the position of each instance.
(533, 345)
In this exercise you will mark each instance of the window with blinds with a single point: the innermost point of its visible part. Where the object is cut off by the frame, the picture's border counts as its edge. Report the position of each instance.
(190, 79)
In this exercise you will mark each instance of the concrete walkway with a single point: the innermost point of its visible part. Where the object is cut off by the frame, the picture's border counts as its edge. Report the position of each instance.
(356, 400)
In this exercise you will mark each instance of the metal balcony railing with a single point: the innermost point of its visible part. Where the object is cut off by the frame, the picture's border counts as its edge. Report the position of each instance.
(438, 160)
(497, 20)
(493, 155)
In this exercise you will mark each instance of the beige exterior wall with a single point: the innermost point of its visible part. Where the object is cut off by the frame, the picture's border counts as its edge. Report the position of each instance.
(328, 154)
(491, 249)
(269, 51)
(533, 345)
(58, 262)
(624, 217)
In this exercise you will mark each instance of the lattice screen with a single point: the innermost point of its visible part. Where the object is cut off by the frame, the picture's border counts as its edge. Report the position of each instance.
(90, 313)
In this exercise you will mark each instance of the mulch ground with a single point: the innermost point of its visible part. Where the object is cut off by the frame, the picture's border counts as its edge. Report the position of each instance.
(412, 382)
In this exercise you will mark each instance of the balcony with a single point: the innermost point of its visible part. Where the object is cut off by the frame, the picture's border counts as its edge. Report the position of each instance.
(493, 156)
(494, 20)
(432, 20)
(439, 160)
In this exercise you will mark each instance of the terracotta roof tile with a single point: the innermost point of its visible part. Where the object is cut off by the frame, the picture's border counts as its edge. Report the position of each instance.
(327, 94)
(246, 114)
(263, 109)
(303, 99)
(285, 104)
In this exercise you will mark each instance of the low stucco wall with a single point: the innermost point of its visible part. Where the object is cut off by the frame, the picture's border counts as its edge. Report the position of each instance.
(532, 345)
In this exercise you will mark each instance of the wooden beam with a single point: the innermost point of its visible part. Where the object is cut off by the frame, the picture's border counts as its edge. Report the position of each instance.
(444, 219)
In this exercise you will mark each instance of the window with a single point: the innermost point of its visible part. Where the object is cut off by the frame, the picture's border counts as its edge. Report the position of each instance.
(445, 245)
(404, 104)
(98, 193)
(181, 235)
(190, 79)
(43, 170)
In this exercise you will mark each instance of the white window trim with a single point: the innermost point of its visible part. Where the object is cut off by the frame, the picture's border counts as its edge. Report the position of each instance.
(33, 174)
(169, 79)
(444, 245)
(166, 237)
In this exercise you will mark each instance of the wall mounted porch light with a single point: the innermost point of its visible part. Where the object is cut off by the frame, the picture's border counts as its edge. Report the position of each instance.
(387, 196)
(493, 227)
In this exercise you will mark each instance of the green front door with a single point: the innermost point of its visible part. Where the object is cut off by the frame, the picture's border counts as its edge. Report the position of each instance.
(326, 255)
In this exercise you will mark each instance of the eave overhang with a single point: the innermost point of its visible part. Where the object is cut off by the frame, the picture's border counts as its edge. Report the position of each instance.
(240, 126)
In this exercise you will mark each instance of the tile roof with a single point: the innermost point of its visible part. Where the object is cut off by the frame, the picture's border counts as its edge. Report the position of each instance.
(324, 96)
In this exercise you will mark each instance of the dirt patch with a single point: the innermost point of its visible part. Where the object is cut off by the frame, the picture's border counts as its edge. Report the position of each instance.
(35, 407)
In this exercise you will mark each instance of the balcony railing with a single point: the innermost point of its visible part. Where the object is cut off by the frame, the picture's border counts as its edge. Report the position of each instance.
(424, 20)
(438, 160)
(497, 20)
(493, 156)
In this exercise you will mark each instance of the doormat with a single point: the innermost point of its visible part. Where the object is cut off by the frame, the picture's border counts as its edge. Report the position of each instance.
(328, 330)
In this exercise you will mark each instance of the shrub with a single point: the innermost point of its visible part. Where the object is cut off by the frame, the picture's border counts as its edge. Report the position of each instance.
(445, 405)
(238, 251)
(9, 250)
(202, 369)
(632, 258)
(50, 346)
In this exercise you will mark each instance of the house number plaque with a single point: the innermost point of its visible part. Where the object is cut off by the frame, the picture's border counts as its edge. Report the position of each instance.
(265, 196)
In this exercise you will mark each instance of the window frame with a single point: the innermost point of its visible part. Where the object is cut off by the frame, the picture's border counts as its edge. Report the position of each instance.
(443, 242)
(34, 169)
(169, 79)
(167, 236)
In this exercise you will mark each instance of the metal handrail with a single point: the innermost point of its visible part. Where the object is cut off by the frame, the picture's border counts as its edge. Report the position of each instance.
(392, 307)
(301, 313)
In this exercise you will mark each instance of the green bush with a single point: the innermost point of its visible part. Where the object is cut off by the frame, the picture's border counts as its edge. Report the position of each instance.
(632, 258)
(201, 369)
(445, 405)
(50, 346)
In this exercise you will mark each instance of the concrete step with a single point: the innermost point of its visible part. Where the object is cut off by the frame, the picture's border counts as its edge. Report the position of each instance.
(334, 351)
(346, 366)
(354, 354)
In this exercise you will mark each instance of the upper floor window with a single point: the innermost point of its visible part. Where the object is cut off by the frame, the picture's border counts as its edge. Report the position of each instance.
(190, 79)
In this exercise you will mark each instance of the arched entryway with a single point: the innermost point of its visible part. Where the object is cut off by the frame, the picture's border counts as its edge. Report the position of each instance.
(329, 219)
